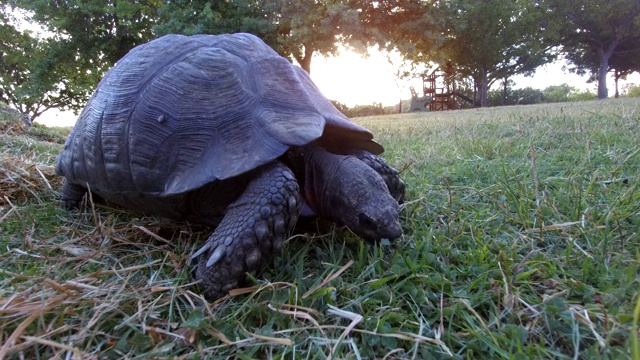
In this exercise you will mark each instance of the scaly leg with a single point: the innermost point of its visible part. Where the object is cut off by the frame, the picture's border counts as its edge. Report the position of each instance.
(254, 228)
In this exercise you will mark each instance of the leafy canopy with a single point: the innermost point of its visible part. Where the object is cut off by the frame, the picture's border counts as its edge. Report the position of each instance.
(599, 36)
(85, 38)
(296, 29)
(484, 40)
(38, 74)
(88, 37)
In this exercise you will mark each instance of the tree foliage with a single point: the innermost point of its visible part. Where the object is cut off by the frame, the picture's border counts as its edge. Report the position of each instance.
(190, 17)
(485, 40)
(85, 38)
(100, 30)
(523, 96)
(296, 29)
(309, 26)
(528, 95)
(38, 74)
(600, 36)
(88, 37)
(631, 90)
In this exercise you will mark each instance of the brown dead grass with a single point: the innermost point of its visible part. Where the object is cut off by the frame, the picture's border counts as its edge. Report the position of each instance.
(12, 122)
(22, 180)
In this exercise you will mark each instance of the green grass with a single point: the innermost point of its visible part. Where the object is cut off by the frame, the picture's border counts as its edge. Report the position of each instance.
(521, 241)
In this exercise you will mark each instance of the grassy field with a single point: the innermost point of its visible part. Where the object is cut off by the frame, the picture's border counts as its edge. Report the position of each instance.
(522, 231)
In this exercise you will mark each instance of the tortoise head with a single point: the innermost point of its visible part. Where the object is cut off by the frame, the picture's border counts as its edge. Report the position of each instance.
(360, 199)
(348, 191)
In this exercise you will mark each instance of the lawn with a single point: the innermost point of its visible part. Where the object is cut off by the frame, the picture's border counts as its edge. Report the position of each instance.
(521, 240)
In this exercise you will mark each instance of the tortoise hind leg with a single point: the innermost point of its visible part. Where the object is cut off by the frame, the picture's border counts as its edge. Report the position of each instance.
(390, 175)
(72, 195)
(254, 228)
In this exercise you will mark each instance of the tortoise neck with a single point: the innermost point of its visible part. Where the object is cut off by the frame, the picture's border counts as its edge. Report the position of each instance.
(320, 178)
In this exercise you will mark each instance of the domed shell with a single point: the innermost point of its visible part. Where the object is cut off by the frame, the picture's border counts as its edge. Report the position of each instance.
(182, 111)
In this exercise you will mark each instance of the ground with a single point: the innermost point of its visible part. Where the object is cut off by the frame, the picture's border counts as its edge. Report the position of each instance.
(520, 241)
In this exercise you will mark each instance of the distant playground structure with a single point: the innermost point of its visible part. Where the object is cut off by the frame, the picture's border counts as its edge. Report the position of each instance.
(438, 92)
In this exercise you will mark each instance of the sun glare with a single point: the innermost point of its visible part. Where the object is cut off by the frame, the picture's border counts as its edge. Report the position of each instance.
(354, 80)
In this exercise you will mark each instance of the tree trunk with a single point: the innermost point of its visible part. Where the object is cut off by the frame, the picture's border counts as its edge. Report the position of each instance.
(603, 93)
(475, 92)
(305, 61)
(504, 92)
(484, 96)
(605, 55)
(616, 77)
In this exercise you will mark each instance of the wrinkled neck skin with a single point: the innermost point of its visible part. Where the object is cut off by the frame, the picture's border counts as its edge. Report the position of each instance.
(321, 168)
(347, 191)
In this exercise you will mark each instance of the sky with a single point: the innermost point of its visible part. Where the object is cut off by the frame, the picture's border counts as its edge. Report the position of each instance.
(353, 80)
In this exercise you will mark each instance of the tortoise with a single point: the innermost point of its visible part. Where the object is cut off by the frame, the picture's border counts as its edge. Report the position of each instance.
(221, 130)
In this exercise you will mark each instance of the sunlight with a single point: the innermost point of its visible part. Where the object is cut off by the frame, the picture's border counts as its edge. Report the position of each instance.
(354, 80)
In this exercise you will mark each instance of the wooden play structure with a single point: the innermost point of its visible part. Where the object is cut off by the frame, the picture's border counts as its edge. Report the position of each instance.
(438, 92)
(419, 103)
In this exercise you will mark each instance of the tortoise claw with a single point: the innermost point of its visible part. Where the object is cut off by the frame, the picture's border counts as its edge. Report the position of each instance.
(201, 251)
(217, 255)
(72, 195)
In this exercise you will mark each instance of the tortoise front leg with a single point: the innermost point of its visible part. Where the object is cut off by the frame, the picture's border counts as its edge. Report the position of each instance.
(390, 175)
(254, 228)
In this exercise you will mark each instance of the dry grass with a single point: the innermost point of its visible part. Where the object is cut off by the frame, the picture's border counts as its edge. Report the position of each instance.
(21, 180)
(12, 122)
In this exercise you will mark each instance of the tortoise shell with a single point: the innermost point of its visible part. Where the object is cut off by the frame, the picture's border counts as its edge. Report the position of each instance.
(183, 111)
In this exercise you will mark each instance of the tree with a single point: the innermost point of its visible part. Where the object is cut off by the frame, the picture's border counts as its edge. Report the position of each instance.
(558, 93)
(390, 23)
(631, 90)
(598, 36)
(524, 96)
(190, 17)
(88, 37)
(62, 69)
(306, 27)
(625, 60)
(486, 40)
(506, 86)
(39, 74)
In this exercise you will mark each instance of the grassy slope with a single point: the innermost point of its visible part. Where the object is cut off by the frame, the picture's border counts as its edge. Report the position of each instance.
(521, 241)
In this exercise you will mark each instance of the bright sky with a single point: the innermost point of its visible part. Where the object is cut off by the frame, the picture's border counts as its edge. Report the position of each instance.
(353, 80)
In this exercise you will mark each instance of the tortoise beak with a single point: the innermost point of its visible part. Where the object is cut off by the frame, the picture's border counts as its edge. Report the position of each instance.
(392, 231)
